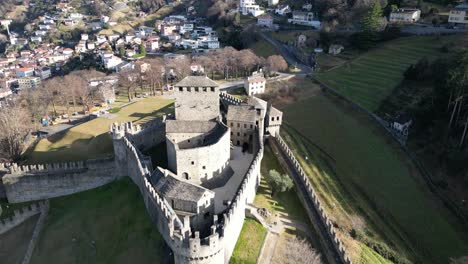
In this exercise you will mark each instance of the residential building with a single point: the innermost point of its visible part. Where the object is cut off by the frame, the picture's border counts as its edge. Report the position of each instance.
(110, 61)
(186, 28)
(405, 15)
(282, 10)
(273, 2)
(265, 20)
(84, 36)
(28, 82)
(250, 7)
(210, 44)
(304, 19)
(152, 44)
(459, 15)
(24, 72)
(43, 73)
(255, 84)
(335, 49)
(36, 39)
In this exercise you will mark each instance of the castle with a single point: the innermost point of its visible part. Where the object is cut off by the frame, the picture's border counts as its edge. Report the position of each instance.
(214, 147)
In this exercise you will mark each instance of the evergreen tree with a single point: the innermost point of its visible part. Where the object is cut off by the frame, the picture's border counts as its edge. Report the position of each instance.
(371, 21)
(279, 183)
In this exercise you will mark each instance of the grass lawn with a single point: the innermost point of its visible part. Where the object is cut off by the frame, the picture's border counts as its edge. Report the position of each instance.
(239, 93)
(105, 225)
(263, 48)
(286, 202)
(364, 184)
(249, 243)
(91, 139)
(371, 77)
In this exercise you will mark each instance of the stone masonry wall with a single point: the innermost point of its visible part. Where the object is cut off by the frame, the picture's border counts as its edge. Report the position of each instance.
(37, 182)
(19, 216)
(187, 247)
(311, 193)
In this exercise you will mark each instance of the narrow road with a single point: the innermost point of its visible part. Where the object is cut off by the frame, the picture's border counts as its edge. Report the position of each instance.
(286, 53)
(329, 250)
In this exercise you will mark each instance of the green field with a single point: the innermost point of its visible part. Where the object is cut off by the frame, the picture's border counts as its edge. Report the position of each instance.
(367, 187)
(371, 77)
(91, 139)
(104, 225)
(249, 243)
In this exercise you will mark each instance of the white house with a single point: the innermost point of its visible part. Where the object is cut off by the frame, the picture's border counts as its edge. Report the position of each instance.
(402, 123)
(255, 84)
(265, 20)
(105, 19)
(36, 39)
(273, 2)
(186, 28)
(250, 7)
(110, 61)
(459, 15)
(189, 43)
(84, 37)
(282, 10)
(304, 19)
(405, 15)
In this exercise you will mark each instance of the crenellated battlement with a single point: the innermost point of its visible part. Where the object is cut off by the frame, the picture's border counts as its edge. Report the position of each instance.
(229, 99)
(57, 167)
(20, 215)
(317, 204)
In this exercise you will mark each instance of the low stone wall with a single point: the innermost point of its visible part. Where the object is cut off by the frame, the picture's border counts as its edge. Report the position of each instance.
(316, 202)
(38, 182)
(19, 216)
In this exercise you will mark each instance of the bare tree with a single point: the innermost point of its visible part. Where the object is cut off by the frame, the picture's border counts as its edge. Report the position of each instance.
(276, 63)
(155, 75)
(15, 123)
(299, 251)
(181, 67)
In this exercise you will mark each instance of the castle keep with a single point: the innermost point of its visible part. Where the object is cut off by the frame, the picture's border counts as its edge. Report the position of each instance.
(214, 150)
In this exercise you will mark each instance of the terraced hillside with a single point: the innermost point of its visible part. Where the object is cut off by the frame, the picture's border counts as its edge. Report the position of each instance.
(371, 77)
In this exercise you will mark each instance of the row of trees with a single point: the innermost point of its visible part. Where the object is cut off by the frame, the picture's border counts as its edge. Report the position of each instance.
(151, 76)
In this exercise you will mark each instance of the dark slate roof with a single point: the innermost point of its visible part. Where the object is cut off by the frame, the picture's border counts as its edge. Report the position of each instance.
(196, 81)
(174, 189)
(244, 113)
(183, 126)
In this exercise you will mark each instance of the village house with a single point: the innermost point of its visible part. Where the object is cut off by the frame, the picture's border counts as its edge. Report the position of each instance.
(265, 21)
(405, 15)
(459, 15)
(250, 7)
(152, 44)
(43, 72)
(335, 49)
(304, 19)
(273, 2)
(282, 10)
(255, 84)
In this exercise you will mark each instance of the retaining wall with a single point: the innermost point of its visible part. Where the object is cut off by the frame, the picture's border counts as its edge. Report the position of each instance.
(310, 193)
(38, 182)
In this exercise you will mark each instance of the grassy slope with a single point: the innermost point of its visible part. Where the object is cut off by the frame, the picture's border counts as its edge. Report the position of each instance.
(15, 242)
(371, 77)
(91, 139)
(263, 48)
(249, 243)
(357, 171)
(105, 225)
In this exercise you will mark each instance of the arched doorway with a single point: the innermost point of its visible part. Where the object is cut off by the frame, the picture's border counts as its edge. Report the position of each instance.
(185, 175)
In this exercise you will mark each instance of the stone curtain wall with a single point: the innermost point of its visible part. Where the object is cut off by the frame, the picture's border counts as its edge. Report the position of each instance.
(3, 170)
(37, 182)
(235, 215)
(19, 216)
(187, 247)
(153, 133)
(316, 202)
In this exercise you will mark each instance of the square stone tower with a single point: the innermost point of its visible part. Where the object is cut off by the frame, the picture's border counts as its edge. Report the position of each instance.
(197, 98)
